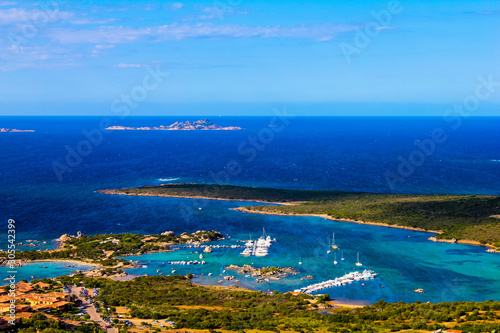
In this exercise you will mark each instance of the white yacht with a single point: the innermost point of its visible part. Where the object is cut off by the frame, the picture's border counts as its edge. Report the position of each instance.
(358, 263)
(249, 243)
(246, 252)
(261, 251)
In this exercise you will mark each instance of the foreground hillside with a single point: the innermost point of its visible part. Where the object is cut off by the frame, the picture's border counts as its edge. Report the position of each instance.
(189, 306)
(461, 217)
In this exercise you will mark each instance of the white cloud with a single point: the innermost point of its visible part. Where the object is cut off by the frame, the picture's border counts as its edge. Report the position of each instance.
(128, 65)
(14, 16)
(214, 12)
(176, 6)
(82, 21)
(176, 32)
(7, 3)
(101, 47)
(15, 58)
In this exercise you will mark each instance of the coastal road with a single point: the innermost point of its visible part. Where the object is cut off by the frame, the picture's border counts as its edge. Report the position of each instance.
(91, 310)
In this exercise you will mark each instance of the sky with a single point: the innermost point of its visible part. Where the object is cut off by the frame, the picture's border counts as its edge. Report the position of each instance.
(240, 57)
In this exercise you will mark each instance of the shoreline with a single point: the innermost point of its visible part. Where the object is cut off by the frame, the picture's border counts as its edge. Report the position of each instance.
(73, 261)
(200, 197)
(328, 217)
(244, 209)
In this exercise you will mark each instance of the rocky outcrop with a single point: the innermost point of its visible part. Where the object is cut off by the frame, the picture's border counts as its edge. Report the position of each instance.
(434, 239)
(14, 130)
(64, 238)
(203, 124)
(168, 233)
(208, 249)
(275, 272)
(10, 263)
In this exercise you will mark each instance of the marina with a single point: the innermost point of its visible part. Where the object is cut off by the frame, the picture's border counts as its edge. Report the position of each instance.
(258, 248)
(337, 282)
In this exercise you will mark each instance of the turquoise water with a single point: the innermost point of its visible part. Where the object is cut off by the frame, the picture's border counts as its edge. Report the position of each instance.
(52, 269)
(318, 153)
(405, 260)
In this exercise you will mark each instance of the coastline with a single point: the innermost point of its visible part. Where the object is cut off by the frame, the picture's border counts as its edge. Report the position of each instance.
(200, 197)
(73, 261)
(244, 209)
(465, 242)
(379, 224)
(328, 217)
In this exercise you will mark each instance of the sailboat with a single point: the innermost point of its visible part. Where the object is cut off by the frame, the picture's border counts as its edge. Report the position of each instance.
(342, 258)
(335, 259)
(358, 263)
(333, 242)
(329, 244)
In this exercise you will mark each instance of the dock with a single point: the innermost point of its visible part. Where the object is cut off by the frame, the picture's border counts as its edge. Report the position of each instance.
(340, 281)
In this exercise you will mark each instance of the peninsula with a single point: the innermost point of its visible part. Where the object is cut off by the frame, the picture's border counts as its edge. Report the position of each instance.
(467, 219)
(14, 130)
(203, 125)
(104, 250)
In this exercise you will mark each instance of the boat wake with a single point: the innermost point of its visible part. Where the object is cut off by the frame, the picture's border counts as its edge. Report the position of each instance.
(168, 179)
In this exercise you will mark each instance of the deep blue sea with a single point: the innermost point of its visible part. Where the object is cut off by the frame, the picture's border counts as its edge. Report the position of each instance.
(404, 155)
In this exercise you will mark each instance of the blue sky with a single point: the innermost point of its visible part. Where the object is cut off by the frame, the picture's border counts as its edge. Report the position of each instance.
(222, 56)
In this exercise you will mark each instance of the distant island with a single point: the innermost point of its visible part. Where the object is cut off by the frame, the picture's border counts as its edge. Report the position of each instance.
(199, 125)
(14, 130)
(469, 219)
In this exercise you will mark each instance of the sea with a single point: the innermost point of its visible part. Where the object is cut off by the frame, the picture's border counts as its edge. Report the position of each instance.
(49, 180)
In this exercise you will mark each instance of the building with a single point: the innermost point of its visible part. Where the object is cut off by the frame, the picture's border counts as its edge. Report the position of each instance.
(23, 287)
(48, 298)
(43, 286)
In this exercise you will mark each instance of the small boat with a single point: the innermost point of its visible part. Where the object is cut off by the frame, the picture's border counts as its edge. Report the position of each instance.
(249, 243)
(247, 252)
(201, 256)
(300, 262)
(335, 260)
(173, 271)
(333, 242)
(358, 263)
(342, 258)
(209, 274)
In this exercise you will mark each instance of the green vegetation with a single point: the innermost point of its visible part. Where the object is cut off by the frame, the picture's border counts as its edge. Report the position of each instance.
(175, 299)
(104, 249)
(41, 323)
(457, 216)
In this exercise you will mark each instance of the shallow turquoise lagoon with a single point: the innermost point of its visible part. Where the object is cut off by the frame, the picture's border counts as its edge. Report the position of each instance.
(43, 269)
(405, 260)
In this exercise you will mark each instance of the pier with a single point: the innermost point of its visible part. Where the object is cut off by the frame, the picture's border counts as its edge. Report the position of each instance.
(343, 280)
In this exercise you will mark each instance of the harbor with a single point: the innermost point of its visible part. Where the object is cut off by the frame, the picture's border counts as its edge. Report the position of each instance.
(258, 248)
(337, 282)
